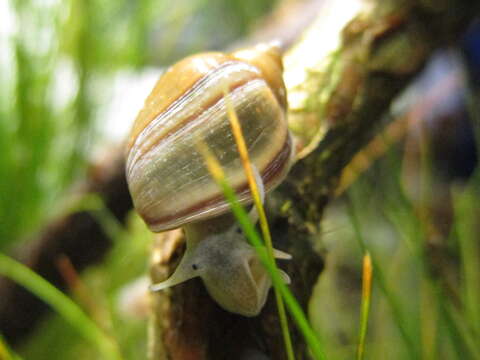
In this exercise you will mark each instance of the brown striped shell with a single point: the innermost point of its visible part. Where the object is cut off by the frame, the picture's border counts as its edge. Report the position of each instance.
(168, 180)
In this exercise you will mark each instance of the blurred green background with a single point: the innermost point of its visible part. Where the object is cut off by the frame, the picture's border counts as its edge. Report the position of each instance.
(59, 61)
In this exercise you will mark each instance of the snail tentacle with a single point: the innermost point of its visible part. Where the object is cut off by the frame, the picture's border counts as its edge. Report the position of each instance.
(186, 270)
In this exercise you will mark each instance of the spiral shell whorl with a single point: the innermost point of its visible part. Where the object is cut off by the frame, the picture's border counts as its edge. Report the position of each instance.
(168, 180)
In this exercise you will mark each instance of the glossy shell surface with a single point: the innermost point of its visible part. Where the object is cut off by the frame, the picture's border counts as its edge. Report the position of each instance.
(168, 180)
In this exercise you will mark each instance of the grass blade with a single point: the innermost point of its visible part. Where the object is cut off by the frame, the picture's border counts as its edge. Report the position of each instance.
(5, 352)
(60, 303)
(465, 205)
(398, 312)
(247, 166)
(366, 296)
(248, 228)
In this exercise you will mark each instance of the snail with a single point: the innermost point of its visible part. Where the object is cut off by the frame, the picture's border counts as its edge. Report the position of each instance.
(171, 186)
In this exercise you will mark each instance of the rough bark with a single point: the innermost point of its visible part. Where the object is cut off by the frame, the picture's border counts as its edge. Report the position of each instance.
(381, 51)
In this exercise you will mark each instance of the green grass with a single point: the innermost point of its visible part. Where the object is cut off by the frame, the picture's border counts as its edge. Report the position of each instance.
(100, 296)
(70, 311)
(365, 307)
(310, 336)
(5, 352)
(257, 201)
(399, 314)
(424, 303)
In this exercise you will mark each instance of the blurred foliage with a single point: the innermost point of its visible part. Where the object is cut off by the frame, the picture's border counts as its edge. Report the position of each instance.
(102, 292)
(57, 61)
(426, 282)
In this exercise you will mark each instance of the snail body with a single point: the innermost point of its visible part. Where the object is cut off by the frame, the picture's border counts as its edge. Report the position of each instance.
(170, 184)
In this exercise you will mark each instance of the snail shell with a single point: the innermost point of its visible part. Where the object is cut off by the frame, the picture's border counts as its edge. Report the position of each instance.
(168, 180)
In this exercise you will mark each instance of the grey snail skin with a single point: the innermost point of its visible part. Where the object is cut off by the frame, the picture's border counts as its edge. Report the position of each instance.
(171, 186)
